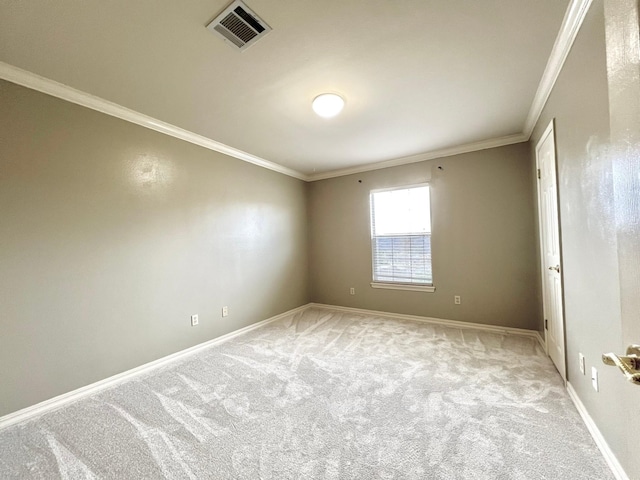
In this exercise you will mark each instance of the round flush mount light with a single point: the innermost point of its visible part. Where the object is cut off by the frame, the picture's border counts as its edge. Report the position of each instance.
(328, 105)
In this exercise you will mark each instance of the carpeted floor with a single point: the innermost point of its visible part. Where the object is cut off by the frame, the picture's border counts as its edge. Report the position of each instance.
(328, 395)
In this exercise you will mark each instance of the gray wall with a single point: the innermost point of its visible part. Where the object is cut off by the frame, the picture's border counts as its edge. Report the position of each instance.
(483, 239)
(579, 104)
(112, 235)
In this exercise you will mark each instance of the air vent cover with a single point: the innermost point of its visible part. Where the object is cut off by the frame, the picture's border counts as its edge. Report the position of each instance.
(239, 26)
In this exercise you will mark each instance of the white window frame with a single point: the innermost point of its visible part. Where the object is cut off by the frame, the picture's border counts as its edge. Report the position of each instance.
(416, 287)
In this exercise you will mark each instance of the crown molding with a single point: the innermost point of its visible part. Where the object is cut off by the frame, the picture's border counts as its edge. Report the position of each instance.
(444, 152)
(51, 87)
(573, 18)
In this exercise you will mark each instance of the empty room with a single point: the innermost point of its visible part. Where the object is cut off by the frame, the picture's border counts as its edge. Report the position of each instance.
(339, 239)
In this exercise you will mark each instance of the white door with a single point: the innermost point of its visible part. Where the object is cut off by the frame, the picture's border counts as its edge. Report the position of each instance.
(550, 249)
(626, 174)
(623, 51)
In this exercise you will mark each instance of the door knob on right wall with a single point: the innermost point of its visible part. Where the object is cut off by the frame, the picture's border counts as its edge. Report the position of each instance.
(628, 364)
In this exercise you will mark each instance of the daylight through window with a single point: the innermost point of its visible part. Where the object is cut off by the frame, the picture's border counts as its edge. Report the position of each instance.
(401, 236)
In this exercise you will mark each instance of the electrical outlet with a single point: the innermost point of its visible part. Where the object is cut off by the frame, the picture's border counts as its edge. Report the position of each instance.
(352, 291)
(194, 320)
(581, 360)
(225, 311)
(456, 299)
(594, 378)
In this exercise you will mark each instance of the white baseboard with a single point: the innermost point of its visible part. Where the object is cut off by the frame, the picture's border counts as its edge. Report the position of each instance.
(69, 397)
(439, 321)
(74, 395)
(608, 455)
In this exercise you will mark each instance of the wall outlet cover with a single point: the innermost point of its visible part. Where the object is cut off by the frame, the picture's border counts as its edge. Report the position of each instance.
(194, 320)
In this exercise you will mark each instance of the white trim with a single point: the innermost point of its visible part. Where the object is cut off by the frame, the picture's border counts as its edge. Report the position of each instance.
(50, 87)
(602, 444)
(444, 152)
(571, 24)
(575, 15)
(542, 342)
(69, 397)
(547, 131)
(404, 286)
(550, 131)
(573, 18)
(438, 321)
(74, 395)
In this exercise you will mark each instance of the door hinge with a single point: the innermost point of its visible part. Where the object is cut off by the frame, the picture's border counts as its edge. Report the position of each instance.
(539, 174)
(546, 324)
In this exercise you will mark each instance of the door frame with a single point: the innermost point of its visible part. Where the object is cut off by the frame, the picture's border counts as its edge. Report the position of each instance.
(550, 131)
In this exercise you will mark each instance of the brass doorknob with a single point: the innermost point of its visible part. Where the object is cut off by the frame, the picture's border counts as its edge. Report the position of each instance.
(629, 364)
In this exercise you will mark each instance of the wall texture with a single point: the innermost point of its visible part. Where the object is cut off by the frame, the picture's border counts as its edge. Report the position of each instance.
(112, 235)
(483, 239)
(580, 105)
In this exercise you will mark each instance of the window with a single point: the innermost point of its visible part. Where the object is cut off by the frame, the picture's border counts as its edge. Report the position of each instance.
(401, 238)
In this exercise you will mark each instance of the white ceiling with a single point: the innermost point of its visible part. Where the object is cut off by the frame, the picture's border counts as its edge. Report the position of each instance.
(417, 75)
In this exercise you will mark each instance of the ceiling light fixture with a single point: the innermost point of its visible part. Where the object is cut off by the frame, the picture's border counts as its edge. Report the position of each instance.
(328, 105)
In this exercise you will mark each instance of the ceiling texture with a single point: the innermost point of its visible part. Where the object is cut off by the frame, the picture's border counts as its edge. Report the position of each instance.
(418, 76)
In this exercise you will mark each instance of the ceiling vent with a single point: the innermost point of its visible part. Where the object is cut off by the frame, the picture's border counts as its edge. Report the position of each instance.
(239, 26)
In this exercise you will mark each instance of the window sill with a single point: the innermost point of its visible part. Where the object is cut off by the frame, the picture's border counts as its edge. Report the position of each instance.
(404, 286)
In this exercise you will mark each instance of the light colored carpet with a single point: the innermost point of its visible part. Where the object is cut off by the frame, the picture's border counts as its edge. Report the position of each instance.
(323, 394)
